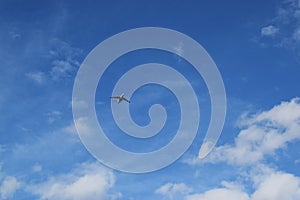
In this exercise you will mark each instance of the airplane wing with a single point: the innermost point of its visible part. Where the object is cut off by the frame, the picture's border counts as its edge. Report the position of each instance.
(126, 100)
(114, 97)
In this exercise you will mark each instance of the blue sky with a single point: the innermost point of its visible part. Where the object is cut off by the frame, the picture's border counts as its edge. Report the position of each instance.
(256, 46)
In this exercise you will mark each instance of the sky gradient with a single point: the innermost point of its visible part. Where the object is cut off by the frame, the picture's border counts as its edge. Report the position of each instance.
(256, 47)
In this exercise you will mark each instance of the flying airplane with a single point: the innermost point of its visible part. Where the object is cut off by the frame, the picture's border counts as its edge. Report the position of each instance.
(120, 98)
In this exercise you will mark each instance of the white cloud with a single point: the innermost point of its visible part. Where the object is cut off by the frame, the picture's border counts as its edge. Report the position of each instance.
(70, 129)
(8, 187)
(274, 186)
(288, 11)
(53, 116)
(64, 51)
(269, 30)
(219, 193)
(37, 167)
(230, 190)
(286, 22)
(87, 181)
(262, 135)
(64, 59)
(296, 35)
(173, 190)
(61, 69)
(38, 77)
(271, 184)
(278, 186)
(46, 153)
(268, 184)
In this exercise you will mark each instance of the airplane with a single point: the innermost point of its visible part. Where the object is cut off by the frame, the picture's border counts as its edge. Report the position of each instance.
(120, 98)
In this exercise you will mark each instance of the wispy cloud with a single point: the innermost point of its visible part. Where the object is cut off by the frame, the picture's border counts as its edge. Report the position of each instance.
(61, 69)
(86, 181)
(62, 59)
(53, 116)
(275, 186)
(37, 167)
(278, 186)
(284, 27)
(219, 193)
(174, 190)
(65, 59)
(296, 35)
(179, 49)
(266, 183)
(38, 77)
(269, 30)
(41, 178)
(8, 187)
(261, 135)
